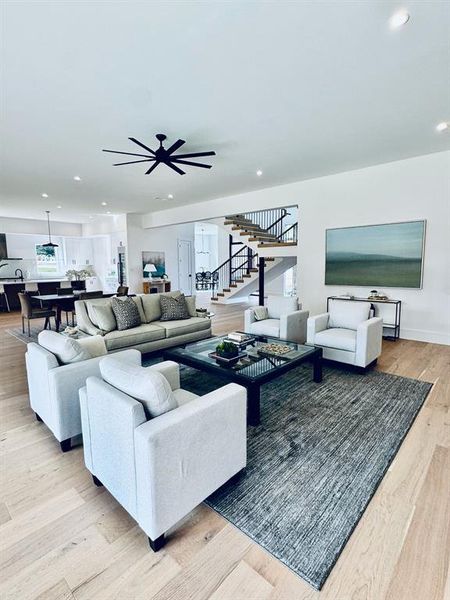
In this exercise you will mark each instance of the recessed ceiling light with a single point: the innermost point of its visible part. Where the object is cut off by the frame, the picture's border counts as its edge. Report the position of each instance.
(44, 195)
(442, 126)
(399, 19)
(91, 217)
(108, 212)
(259, 172)
(77, 178)
(104, 203)
(59, 206)
(170, 196)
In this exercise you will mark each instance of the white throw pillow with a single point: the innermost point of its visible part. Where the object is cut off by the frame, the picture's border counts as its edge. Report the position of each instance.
(94, 344)
(347, 315)
(101, 314)
(261, 313)
(67, 350)
(146, 385)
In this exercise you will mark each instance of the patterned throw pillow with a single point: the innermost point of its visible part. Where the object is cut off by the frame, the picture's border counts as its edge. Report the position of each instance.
(261, 313)
(126, 313)
(173, 309)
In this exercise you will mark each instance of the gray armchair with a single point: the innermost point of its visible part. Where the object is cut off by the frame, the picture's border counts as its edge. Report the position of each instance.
(285, 319)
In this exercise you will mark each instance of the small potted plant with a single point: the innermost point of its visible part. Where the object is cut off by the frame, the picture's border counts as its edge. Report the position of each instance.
(227, 353)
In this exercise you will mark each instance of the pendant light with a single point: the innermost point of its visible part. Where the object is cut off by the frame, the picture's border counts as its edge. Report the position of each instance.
(49, 244)
(202, 251)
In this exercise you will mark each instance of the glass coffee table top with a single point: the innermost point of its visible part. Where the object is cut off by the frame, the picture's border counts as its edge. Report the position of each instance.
(252, 364)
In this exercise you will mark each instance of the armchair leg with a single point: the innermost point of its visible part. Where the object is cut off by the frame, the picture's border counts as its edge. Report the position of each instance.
(157, 544)
(29, 334)
(23, 325)
(97, 481)
(38, 418)
(66, 445)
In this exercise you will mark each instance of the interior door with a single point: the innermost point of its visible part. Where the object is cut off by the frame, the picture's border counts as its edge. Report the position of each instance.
(185, 267)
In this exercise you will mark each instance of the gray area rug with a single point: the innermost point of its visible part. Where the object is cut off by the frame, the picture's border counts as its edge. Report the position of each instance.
(315, 461)
(23, 337)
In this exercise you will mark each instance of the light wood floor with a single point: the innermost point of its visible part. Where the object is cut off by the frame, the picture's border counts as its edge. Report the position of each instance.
(62, 538)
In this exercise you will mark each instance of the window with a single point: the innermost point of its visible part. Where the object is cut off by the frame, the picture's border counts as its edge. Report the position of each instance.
(289, 283)
(46, 260)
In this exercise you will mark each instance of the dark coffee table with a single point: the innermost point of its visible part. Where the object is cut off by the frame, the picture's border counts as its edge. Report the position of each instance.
(252, 376)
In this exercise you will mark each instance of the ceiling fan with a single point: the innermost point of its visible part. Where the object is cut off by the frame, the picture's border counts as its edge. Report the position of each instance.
(163, 155)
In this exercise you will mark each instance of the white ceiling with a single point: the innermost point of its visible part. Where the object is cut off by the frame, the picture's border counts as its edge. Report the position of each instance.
(298, 89)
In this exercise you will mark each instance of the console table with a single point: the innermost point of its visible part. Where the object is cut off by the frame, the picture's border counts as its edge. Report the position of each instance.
(161, 285)
(395, 326)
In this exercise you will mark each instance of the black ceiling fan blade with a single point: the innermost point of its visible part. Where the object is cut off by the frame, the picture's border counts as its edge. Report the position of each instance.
(141, 144)
(175, 168)
(132, 162)
(175, 146)
(192, 164)
(153, 167)
(194, 154)
(128, 153)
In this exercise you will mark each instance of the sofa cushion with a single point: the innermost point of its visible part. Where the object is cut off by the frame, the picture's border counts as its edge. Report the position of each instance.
(94, 344)
(126, 313)
(281, 305)
(152, 305)
(260, 313)
(348, 315)
(146, 385)
(174, 309)
(101, 313)
(190, 303)
(182, 327)
(270, 327)
(67, 350)
(341, 339)
(132, 337)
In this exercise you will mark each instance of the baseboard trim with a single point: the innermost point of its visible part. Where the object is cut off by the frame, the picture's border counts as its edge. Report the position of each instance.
(423, 335)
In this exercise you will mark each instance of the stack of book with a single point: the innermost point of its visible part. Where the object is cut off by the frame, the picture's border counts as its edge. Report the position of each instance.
(240, 339)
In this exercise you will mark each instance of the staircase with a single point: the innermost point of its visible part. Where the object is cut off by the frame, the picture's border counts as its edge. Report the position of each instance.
(265, 228)
(267, 243)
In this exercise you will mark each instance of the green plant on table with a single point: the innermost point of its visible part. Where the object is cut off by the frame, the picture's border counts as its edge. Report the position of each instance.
(227, 350)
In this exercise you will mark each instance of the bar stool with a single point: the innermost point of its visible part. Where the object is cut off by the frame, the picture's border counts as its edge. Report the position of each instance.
(4, 296)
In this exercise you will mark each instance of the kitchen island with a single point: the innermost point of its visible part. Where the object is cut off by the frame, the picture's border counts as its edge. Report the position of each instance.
(14, 285)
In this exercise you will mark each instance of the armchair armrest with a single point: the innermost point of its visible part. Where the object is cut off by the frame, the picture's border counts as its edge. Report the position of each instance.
(171, 372)
(293, 326)
(316, 324)
(64, 383)
(186, 454)
(369, 335)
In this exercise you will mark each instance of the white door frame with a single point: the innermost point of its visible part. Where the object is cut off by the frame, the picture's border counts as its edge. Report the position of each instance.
(190, 254)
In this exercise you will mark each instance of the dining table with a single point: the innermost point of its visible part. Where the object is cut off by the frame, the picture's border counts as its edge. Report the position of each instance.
(56, 301)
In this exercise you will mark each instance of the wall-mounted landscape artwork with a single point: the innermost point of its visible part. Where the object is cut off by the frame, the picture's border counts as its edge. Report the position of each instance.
(155, 258)
(389, 255)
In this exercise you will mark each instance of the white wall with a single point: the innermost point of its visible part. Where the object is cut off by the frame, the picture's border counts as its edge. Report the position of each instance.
(416, 188)
(154, 240)
(34, 226)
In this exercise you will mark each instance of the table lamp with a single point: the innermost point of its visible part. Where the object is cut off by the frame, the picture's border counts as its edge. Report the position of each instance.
(150, 268)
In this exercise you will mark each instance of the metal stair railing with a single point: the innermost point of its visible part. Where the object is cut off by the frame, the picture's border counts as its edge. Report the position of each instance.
(289, 235)
(232, 270)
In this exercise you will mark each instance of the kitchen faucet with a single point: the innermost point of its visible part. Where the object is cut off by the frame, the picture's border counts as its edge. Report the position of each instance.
(20, 276)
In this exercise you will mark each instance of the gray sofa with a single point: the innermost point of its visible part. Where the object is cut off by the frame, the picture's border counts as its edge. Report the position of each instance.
(95, 317)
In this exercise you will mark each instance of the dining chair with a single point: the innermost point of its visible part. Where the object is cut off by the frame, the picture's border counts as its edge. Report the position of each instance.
(68, 305)
(90, 295)
(4, 296)
(122, 290)
(29, 312)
